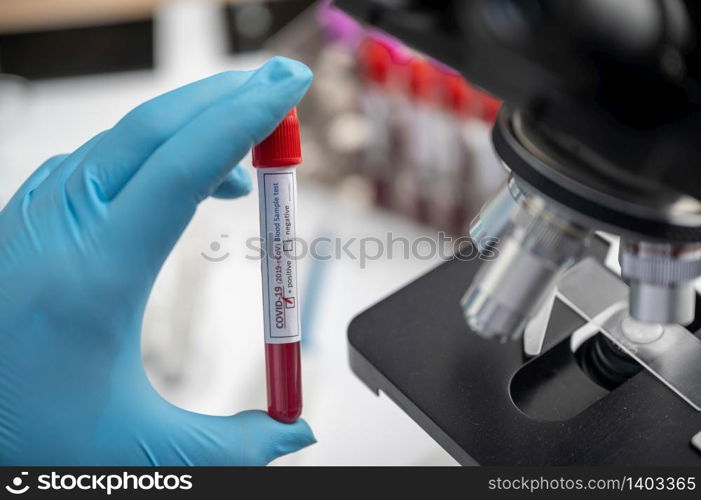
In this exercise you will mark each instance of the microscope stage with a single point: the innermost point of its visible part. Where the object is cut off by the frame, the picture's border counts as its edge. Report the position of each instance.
(486, 404)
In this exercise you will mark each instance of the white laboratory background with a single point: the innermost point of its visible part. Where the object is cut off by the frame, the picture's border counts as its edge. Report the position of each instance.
(202, 336)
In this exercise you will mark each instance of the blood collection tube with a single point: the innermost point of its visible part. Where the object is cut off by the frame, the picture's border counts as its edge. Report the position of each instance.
(275, 160)
(415, 183)
(375, 62)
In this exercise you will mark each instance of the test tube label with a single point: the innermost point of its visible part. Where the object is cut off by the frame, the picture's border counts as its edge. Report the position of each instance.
(278, 192)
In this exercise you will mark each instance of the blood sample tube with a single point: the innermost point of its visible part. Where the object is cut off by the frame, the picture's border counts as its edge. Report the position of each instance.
(275, 160)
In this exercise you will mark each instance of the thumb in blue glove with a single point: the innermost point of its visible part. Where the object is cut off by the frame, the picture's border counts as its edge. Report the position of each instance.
(81, 244)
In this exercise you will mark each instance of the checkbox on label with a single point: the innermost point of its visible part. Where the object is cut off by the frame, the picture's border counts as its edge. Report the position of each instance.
(289, 302)
(288, 245)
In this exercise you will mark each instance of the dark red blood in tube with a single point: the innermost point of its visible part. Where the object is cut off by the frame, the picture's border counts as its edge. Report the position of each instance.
(284, 373)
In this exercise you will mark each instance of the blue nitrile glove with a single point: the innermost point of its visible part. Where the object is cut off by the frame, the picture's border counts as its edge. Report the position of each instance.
(81, 244)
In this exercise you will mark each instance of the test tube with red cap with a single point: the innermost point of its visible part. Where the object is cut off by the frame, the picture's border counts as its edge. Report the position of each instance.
(276, 159)
(375, 61)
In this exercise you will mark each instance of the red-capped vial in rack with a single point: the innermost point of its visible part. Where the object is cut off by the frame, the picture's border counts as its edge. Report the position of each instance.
(275, 160)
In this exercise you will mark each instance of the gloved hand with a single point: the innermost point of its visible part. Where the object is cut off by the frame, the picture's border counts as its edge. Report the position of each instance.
(81, 244)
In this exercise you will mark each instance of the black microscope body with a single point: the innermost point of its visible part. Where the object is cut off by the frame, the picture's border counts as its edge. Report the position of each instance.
(601, 130)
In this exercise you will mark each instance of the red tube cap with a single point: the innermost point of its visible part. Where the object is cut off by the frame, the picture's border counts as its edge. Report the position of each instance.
(375, 61)
(490, 108)
(422, 79)
(283, 147)
(457, 95)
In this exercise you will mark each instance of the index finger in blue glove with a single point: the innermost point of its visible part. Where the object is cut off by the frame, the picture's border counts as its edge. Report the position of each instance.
(158, 202)
(131, 141)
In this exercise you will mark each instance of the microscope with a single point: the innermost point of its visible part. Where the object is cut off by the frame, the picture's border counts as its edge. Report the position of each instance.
(537, 353)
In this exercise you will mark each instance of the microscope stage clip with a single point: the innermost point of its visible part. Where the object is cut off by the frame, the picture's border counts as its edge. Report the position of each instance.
(601, 298)
(534, 333)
